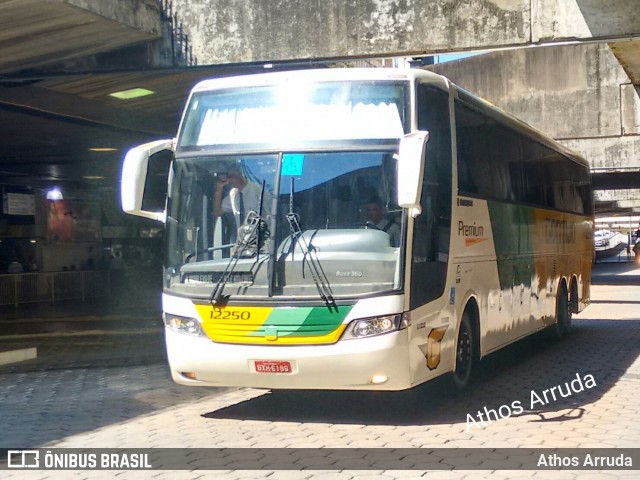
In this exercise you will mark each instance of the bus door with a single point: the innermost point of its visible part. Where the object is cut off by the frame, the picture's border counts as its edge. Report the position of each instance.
(433, 312)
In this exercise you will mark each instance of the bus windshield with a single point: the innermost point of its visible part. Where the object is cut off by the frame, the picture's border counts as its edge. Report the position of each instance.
(304, 224)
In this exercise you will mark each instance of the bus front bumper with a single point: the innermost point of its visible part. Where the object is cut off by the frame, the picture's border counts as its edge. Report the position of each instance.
(375, 363)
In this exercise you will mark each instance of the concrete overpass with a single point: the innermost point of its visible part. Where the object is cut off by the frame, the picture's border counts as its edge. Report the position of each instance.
(68, 34)
(265, 31)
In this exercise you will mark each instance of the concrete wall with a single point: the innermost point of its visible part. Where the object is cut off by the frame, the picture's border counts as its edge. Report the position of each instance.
(630, 98)
(267, 30)
(582, 19)
(568, 92)
(579, 95)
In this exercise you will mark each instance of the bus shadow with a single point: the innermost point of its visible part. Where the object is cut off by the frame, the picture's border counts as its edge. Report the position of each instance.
(601, 348)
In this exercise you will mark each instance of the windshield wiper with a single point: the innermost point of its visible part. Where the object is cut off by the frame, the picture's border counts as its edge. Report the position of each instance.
(317, 272)
(250, 236)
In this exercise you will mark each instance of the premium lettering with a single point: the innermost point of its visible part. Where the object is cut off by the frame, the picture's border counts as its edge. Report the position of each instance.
(474, 230)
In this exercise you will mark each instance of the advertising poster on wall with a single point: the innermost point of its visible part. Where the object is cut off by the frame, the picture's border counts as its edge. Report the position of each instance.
(71, 221)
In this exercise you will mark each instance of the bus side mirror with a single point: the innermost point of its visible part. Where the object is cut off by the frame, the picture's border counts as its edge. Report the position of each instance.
(411, 158)
(136, 184)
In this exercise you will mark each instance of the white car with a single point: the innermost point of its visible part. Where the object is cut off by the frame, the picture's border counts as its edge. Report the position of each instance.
(601, 238)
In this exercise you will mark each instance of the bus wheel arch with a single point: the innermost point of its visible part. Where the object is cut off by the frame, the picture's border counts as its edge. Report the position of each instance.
(467, 345)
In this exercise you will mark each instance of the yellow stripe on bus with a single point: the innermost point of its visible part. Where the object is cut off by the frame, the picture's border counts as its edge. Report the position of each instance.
(246, 319)
(219, 336)
(236, 324)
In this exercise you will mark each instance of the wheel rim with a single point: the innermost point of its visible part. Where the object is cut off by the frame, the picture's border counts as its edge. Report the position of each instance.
(463, 354)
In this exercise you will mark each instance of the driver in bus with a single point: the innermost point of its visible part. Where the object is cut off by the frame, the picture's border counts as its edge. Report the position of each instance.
(243, 197)
(375, 216)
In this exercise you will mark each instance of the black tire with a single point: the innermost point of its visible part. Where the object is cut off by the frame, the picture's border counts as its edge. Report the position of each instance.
(573, 297)
(562, 327)
(465, 354)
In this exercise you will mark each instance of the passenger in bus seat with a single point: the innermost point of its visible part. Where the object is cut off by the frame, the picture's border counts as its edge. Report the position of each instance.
(376, 216)
(243, 197)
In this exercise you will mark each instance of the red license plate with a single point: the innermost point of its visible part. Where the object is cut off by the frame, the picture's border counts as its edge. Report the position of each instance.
(272, 366)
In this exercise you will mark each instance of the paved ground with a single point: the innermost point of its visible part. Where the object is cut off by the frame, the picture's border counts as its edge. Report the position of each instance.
(73, 315)
(110, 388)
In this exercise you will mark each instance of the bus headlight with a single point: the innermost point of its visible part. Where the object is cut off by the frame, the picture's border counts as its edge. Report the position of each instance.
(369, 327)
(187, 325)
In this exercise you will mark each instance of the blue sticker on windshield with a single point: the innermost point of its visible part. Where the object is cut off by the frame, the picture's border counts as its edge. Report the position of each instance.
(292, 164)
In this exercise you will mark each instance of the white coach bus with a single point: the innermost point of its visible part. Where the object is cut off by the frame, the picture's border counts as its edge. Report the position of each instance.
(359, 229)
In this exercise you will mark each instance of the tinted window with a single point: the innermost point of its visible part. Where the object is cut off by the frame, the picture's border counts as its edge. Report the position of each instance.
(489, 156)
(497, 162)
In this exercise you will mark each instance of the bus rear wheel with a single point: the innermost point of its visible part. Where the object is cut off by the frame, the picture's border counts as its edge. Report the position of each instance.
(465, 354)
(562, 327)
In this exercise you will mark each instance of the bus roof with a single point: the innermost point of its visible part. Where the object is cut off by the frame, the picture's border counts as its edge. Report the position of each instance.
(322, 75)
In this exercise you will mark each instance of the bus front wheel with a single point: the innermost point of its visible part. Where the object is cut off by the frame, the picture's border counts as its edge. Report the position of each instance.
(465, 353)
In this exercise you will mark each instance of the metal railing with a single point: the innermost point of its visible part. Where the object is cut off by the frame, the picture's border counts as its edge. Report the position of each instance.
(181, 48)
(17, 288)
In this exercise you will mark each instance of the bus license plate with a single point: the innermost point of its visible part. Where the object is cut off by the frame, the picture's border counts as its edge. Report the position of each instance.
(272, 366)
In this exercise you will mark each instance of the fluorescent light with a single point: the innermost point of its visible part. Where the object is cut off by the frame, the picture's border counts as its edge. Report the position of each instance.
(103, 149)
(93, 177)
(54, 194)
(132, 93)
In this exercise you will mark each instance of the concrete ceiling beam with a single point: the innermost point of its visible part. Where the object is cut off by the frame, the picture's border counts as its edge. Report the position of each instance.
(36, 33)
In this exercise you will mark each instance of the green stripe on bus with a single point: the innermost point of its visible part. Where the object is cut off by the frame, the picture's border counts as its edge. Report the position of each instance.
(511, 227)
(287, 316)
(303, 321)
